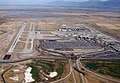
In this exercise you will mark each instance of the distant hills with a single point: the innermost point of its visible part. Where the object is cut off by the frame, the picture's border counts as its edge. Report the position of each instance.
(95, 5)
(111, 4)
(88, 4)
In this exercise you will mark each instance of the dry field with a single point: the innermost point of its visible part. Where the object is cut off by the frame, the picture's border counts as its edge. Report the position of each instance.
(11, 28)
(67, 80)
(109, 26)
(29, 45)
(22, 39)
(108, 20)
(47, 26)
(92, 80)
(115, 32)
(20, 45)
(16, 71)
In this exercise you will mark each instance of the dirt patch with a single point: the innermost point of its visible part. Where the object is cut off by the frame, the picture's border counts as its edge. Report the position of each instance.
(77, 76)
(115, 32)
(29, 45)
(45, 32)
(47, 26)
(20, 45)
(92, 80)
(24, 35)
(22, 39)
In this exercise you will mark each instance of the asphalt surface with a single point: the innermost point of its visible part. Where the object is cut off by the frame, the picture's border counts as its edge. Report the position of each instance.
(78, 66)
(16, 39)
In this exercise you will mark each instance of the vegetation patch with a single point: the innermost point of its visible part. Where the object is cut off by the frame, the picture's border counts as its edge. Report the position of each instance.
(41, 70)
(110, 67)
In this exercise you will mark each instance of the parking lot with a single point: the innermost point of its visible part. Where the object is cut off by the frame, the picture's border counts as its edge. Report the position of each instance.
(76, 44)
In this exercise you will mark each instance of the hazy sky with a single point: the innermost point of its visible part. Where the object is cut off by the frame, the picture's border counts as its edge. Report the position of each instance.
(34, 2)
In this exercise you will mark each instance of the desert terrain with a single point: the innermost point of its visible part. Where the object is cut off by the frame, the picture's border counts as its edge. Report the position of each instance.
(22, 27)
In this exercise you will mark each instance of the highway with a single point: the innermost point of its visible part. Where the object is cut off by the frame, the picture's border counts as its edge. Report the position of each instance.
(31, 58)
(70, 63)
(72, 71)
(78, 66)
(95, 74)
(65, 76)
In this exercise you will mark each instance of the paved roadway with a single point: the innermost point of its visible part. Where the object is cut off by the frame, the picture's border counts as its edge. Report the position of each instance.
(31, 58)
(16, 39)
(72, 71)
(95, 74)
(31, 36)
(82, 77)
(70, 63)
(26, 50)
(65, 76)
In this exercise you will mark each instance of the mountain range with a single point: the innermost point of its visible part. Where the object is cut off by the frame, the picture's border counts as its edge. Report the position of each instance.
(88, 4)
